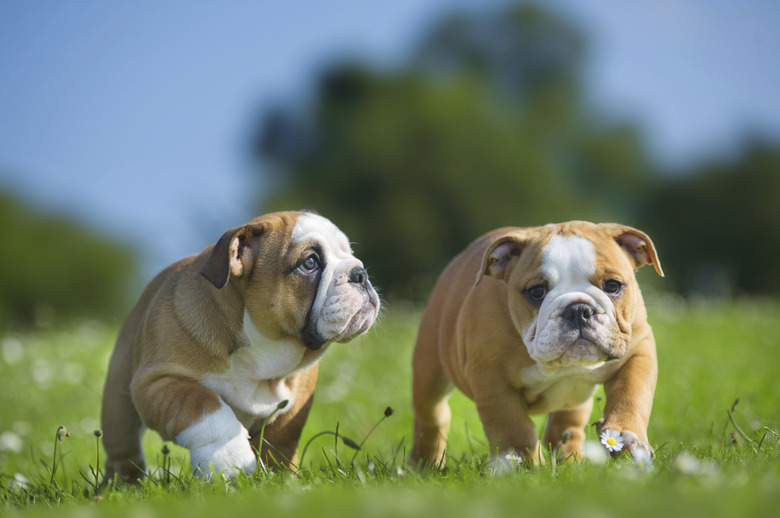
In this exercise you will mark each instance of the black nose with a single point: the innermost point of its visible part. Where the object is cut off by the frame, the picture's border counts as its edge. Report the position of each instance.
(578, 314)
(358, 275)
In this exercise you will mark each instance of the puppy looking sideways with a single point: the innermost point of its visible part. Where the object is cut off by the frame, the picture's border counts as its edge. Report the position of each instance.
(218, 340)
(528, 321)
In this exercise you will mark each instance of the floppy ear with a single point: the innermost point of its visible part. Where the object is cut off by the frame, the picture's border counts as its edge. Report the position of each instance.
(636, 244)
(500, 256)
(234, 254)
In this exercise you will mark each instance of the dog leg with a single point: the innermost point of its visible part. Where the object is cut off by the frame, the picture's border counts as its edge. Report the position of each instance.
(430, 393)
(284, 432)
(629, 397)
(122, 427)
(197, 419)
(122, 432)
(506, 422)
(573, 421)
(431, 427)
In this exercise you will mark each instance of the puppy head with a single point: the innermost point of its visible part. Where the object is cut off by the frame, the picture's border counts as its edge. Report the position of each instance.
(571, 288)
(298, 278)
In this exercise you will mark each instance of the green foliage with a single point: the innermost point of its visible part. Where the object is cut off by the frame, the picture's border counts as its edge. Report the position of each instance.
(709, 355)
(52, 268)
(488, 125)
(486, 128)
(725, 221)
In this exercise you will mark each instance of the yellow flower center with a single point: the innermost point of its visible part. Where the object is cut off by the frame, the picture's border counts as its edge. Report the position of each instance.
(611, 441)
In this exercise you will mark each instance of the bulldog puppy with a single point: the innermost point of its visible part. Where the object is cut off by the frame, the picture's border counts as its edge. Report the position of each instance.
(528, 321)
(218, 340)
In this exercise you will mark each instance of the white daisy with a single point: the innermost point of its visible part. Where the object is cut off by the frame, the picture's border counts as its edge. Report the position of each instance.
(686, 463)
(512, 456)
(642, 459)
(18, 483)
(612, 440)
(593, 452)
(9, 441)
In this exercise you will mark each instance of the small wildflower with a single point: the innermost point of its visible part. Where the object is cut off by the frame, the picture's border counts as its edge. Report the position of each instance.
(686, 463)
(708, 467)
(642, 459)
(19, 482)
(612, 440)
(98, 433)
(10, 441)
(282, 404)
(593, 452)
(165, 450)
(388, 412)
(62, 432)
(512, 456)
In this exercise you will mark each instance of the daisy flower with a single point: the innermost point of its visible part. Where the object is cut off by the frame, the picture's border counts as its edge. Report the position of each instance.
(686, 463)
(593, 451)
(512, 456)
(10, 441)
(18, 483)
(612, 440)
(642, 459)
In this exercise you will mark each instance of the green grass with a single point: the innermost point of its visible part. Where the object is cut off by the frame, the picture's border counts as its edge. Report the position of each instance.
(709, 355)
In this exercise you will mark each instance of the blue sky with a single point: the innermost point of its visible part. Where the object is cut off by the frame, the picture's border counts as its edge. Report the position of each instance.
(133, 116)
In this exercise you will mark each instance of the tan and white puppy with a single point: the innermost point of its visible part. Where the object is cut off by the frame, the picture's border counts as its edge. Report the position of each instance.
(218, 340)
(529, 321)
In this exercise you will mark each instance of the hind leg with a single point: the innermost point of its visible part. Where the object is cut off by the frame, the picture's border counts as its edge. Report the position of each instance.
(430, 393)
(122, 427)
(122, 432)
(572, 421)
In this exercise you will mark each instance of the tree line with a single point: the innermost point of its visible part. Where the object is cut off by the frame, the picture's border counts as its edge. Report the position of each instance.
(487, 124)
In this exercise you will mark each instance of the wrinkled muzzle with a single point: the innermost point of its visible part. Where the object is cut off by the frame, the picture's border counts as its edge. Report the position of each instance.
(348, 308)
(574, 329)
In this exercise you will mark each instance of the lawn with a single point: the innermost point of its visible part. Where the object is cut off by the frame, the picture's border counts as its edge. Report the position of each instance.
(708, 463)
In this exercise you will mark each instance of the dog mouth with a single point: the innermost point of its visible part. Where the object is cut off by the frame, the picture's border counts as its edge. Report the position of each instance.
(360, 322)
(573, 347)
(350, 322)
(312, 340)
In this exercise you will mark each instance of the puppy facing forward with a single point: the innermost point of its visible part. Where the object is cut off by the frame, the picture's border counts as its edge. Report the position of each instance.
(529, 321)
(218, 340)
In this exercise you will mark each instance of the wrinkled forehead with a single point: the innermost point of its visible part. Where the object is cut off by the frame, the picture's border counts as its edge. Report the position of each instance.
(569, 258)
(313, 229)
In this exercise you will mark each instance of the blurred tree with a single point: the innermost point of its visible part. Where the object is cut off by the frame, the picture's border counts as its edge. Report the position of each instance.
(486, 127)
(726, 221)
(52, 268)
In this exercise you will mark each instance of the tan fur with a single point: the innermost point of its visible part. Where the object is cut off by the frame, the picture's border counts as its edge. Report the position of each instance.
(470, 339)
(188, 322)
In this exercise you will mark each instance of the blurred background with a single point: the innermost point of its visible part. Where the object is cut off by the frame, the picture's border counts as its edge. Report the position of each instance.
(134, 134)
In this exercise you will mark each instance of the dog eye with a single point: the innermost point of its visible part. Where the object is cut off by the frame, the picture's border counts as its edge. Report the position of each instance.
(612, 287)
(310, 265)
(536, 293)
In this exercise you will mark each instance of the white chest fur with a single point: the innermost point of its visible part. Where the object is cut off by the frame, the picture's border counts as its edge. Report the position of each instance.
(565, 388)
(251, 385)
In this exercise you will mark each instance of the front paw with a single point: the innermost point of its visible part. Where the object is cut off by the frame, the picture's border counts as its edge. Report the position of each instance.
(229, 458)
(635, 444)
(218, 443)
(617, 442)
